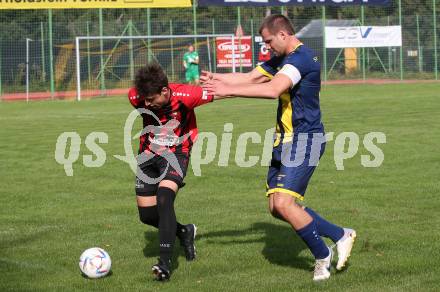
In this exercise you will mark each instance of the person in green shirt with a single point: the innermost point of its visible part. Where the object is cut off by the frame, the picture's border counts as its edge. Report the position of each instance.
(191, 64)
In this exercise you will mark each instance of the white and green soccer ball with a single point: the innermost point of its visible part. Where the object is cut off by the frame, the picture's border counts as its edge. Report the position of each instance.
(95, 263)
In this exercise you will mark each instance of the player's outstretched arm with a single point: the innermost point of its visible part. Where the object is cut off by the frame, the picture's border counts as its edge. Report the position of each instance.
(268, 90)
(254, 76)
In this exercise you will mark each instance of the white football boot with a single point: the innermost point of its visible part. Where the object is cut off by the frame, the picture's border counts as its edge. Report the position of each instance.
(344, 246)
(322, 267)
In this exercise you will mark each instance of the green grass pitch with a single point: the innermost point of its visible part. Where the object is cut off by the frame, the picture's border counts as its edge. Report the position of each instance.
(47, 218)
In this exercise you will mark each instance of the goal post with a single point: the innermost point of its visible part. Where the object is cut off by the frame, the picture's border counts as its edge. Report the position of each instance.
(106, 64)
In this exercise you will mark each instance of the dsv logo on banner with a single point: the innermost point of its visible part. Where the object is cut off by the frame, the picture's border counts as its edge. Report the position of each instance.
(353, 32)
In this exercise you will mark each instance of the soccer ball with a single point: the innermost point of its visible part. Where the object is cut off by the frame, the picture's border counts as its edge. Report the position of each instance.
(95, 262)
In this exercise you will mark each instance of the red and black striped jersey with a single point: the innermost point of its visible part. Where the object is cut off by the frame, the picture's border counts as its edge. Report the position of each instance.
(172, 127)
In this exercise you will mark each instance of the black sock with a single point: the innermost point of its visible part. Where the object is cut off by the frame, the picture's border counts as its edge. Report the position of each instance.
(149, 215)
(180, 230)
(167, 222)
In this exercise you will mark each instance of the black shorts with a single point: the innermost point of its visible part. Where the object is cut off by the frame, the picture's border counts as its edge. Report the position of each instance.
(158, 168)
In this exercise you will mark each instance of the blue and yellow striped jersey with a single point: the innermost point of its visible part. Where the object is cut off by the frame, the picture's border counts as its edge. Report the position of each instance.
(298, 108)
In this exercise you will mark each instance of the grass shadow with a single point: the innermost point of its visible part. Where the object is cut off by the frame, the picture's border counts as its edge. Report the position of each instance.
(281, 245)
(94, 279)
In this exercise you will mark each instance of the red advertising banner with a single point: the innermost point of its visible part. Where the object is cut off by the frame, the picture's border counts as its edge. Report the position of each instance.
(242, 52)
(262, 51)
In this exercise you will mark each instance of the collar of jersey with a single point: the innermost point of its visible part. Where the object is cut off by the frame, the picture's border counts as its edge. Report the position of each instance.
(296, 48)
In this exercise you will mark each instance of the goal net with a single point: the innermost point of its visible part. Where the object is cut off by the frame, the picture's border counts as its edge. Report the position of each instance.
(106, 65)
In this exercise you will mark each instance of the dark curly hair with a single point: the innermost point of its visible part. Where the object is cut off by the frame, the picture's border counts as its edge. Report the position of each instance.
(150, 79)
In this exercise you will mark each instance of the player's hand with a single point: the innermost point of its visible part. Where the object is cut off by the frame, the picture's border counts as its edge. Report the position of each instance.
(206, 76)
(216, 88)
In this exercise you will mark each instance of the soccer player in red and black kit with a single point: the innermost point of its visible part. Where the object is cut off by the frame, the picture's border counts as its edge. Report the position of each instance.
(169, 132)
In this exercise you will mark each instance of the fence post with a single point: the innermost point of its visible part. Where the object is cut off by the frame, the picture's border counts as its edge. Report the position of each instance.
(149, 33)
(101, 44)
(401, 47)
(215, 47)
(172, 51)
(435, 40)
(89, 67)
(389, 51)
(195, 22)
(239, 37)
(43, 63)
(130, 49)
(252, 43)
(52, 81)
(1, 89)
(324, 50)
(419, 48)
(363, 49)
(27, 68)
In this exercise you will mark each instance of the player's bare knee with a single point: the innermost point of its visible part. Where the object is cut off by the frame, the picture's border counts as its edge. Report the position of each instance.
(283, 203)
(280, 203)
(169, 184)
(144, 201)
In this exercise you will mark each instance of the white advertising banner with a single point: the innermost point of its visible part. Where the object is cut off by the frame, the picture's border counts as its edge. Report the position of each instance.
(363, 36)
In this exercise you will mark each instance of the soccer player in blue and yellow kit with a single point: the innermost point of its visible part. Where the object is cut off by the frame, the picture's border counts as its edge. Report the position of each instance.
(293, 77)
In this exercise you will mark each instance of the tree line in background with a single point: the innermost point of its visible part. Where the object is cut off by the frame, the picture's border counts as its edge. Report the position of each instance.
(24, 22)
